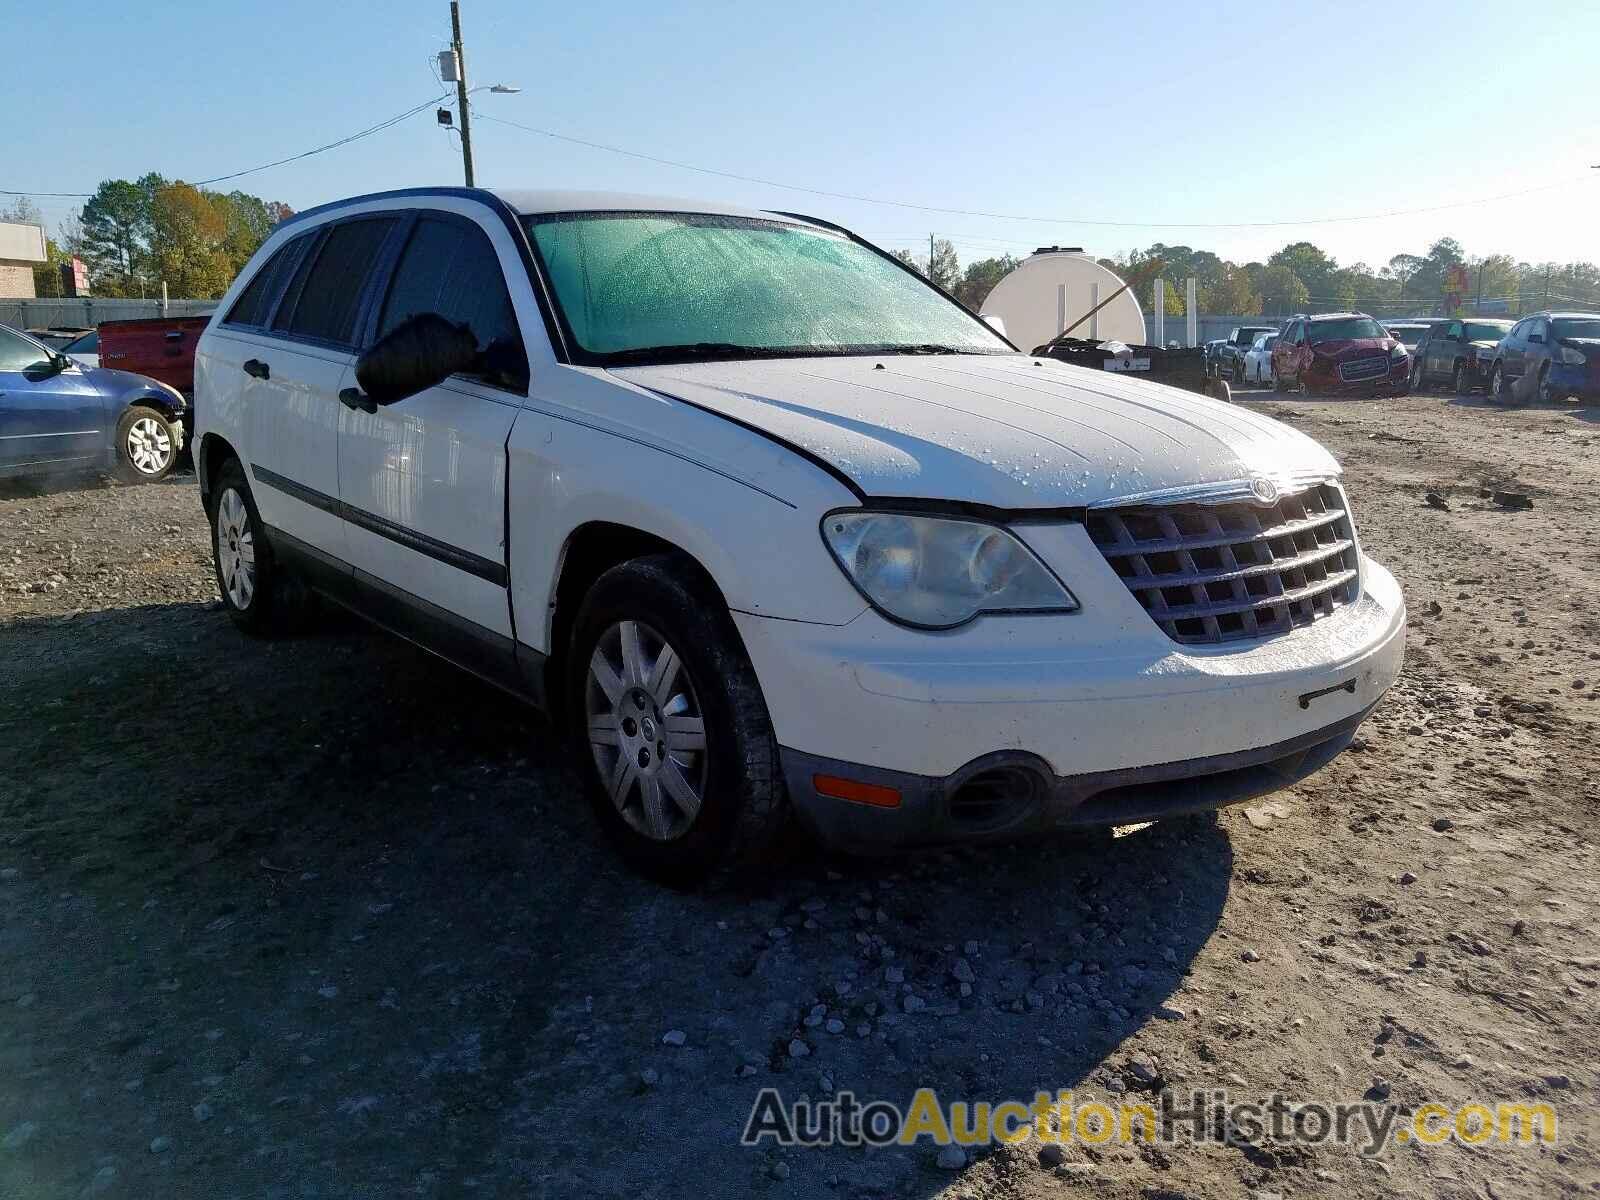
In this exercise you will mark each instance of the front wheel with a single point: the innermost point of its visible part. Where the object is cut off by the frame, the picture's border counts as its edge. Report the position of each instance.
(1546, 393)
(676, 742)
(1458, 379)
(1500, 388)
(147, 445)
(1416, 376)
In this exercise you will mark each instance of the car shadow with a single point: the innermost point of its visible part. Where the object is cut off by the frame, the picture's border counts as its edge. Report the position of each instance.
(355, 897)
(54, 483)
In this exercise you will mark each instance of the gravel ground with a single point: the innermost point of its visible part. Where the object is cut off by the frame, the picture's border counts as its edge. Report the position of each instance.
(325, 917)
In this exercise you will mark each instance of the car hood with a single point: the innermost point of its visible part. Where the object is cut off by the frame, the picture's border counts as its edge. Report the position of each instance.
(111, 382)
(1483, 344)
(1006, 431)
(1579, 343)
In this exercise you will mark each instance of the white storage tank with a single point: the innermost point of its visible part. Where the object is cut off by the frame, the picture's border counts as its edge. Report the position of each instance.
(1053, 287)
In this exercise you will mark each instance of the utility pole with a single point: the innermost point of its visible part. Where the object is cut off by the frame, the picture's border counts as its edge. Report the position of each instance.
(930, 258)
(1477, 308)
(461, 89)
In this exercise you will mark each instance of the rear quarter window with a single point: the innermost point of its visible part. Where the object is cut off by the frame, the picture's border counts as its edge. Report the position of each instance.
(254, 304)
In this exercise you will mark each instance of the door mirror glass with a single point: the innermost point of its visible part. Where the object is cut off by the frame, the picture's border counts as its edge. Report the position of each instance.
(419, 353)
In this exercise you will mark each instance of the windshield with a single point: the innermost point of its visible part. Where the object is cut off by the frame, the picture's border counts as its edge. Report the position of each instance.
(641, 287)
(88, 343)
(1408, 335)
(1343, 329)
(1486, 331)
(1585, 328)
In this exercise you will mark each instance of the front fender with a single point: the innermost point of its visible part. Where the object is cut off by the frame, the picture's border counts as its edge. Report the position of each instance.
(746, 508)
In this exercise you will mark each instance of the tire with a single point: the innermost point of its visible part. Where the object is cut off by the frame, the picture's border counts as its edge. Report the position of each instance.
(1546, 394)
(716, 800)
(1458, 379)
(261, 598)
(1418, 383)
(147, 445)
(1500, 390)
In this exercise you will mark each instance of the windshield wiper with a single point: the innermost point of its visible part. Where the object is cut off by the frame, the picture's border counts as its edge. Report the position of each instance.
(690, 351)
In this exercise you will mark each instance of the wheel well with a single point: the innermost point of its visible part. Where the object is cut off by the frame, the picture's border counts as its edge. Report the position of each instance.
(591, 551)
(210, 454)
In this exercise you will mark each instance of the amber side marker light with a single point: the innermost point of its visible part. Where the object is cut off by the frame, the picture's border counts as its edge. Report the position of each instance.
(856, 792)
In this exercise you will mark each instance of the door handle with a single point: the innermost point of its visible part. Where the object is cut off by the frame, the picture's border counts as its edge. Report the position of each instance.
(257, 368)
(354, 398)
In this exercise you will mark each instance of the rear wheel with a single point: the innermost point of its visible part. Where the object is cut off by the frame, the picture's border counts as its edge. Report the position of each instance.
(676, 743)
(147, 445)
(1458, 379)
(261, 598)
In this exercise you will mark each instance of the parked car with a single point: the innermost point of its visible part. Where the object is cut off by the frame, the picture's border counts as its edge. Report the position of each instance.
(1459, 351)
(773, 525)
(54, 337)
(1549, 356)
(1408, 333)
(1230, 356)
(1213, 354)
(84, 349)
(57, 416)
(1258, 359)
(1341, 353)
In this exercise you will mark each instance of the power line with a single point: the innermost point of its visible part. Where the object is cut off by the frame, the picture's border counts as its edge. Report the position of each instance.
(967, 212)
(334, 145)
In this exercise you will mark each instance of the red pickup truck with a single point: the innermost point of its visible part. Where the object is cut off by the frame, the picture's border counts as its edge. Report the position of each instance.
(160, 348)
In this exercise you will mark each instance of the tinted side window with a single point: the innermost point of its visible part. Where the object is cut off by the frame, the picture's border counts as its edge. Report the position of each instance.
(254, 304)
(325, 295)
(450, 268)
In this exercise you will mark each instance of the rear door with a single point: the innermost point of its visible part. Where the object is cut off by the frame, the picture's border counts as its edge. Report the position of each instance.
(300, 362)
(423, 480)
(47, 415)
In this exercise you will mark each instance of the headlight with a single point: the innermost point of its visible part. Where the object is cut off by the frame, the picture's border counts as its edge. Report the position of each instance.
(1397, 351)
(938, 572)
(1572, 358)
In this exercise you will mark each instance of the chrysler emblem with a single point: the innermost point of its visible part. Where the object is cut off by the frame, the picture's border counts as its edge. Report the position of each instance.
(1264, 490)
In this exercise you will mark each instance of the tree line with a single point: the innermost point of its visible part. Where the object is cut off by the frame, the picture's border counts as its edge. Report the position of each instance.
(135, 235)
(1303, 278)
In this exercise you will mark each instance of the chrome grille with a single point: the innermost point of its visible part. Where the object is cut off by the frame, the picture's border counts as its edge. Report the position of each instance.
(1223, 572)
(1363, 368)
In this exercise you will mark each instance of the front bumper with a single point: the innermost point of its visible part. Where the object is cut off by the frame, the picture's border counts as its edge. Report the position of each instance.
(1094, 717)
(1326, 381)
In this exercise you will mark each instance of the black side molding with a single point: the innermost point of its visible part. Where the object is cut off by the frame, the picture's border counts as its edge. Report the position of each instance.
(453, 556)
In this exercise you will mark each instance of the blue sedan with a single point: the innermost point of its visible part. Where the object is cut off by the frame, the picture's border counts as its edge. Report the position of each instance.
(56, 415)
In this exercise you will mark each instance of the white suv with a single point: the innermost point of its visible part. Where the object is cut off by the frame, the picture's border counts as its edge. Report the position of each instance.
(776, 526)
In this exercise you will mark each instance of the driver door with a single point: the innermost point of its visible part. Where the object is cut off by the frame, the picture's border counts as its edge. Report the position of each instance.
(47, 416)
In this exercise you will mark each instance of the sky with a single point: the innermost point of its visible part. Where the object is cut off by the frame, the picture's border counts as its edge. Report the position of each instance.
(1159, 118)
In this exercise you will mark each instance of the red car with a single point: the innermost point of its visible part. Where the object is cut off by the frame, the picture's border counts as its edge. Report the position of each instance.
(1340, 353)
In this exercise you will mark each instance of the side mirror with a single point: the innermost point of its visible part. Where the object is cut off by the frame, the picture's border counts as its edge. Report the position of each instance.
(995, 322)
(417, 354)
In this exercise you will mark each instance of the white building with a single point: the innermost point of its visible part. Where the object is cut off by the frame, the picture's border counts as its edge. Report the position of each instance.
(21, 250)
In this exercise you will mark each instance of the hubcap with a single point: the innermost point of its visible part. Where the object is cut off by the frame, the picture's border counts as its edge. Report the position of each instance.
(236, 549)
(149, 446)
(646, 730)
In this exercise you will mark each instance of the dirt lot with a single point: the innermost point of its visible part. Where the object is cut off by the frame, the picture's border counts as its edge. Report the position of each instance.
(324, 917)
